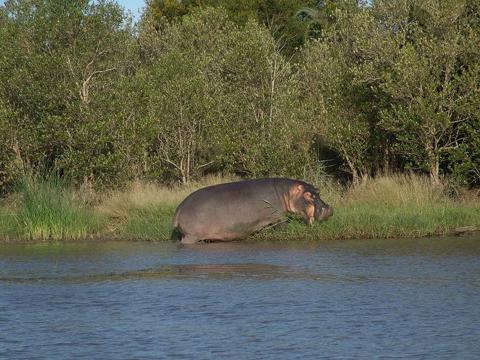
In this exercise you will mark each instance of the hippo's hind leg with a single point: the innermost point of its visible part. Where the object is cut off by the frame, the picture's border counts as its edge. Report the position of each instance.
(189, 239)
(176, 234)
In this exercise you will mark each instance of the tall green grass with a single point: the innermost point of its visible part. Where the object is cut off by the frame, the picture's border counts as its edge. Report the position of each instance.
(8, 225)
(388, 207)
(149, 223)
(48, 210)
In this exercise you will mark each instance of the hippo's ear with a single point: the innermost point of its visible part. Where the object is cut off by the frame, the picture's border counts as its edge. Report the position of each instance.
(307, 195)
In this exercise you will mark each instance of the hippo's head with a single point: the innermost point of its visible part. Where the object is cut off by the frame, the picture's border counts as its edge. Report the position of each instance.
(307, 203)
(322, 210)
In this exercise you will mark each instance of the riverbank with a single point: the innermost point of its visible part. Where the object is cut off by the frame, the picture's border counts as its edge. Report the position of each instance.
(386, 207)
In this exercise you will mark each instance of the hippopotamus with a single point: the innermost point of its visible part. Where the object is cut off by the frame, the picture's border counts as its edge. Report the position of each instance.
(235, 210)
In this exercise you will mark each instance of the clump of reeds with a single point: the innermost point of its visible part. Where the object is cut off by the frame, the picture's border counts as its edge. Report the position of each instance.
(8, 225)
(46, 209)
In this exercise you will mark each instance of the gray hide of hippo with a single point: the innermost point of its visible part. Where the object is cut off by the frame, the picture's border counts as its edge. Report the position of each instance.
(235, 210)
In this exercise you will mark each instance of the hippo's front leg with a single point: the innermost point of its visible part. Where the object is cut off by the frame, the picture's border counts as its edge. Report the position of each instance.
(189, 239)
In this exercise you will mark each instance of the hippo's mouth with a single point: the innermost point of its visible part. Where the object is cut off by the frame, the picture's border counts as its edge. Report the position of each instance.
(324, 213)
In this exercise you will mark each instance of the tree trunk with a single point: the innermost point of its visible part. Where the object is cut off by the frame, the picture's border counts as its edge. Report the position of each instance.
(386, 161)
(353, 170)
(434, 163)
(435, 171)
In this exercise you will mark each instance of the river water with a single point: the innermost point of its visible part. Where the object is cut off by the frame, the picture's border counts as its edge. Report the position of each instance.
(359, 299)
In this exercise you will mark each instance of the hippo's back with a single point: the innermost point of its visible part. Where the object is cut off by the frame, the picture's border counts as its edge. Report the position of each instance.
(237, 207)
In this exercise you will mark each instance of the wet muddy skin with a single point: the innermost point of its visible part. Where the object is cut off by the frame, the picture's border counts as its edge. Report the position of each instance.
(296, 300)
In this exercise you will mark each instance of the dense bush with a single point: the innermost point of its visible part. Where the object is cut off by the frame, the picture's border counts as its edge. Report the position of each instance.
(222, 97)
(395, 85)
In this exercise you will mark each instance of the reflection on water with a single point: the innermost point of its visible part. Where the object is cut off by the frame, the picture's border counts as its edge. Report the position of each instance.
(294, 300)
(223, 271)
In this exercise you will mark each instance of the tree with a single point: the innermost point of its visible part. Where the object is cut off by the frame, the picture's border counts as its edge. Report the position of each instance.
(324, 14)
(58, 63)
(181, 113)
(390, 87)
(221, 98)
(280, 16)
(425, 85)
(9, 151)
(342, 76)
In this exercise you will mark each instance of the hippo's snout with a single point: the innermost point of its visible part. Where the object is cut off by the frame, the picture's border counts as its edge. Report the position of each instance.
(324, 213)
(329, 211)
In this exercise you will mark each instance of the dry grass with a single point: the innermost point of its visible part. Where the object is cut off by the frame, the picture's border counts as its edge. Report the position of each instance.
(145, 210)
(395, 191)
(140, 195)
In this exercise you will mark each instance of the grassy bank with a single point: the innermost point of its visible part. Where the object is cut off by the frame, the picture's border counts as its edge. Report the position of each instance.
(381, 208)
(389, 207)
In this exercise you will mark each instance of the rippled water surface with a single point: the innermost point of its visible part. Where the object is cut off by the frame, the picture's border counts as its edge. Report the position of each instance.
(348, 299)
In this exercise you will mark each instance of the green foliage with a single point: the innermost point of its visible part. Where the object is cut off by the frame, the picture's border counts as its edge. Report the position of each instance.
(343, 94)
(325, 14)
(393, 85)
(8, 167)
(221, 86)
(222, 77)
(59, 66)
(9, 228)
(49, 211)
(426, 84)
(279, 16)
